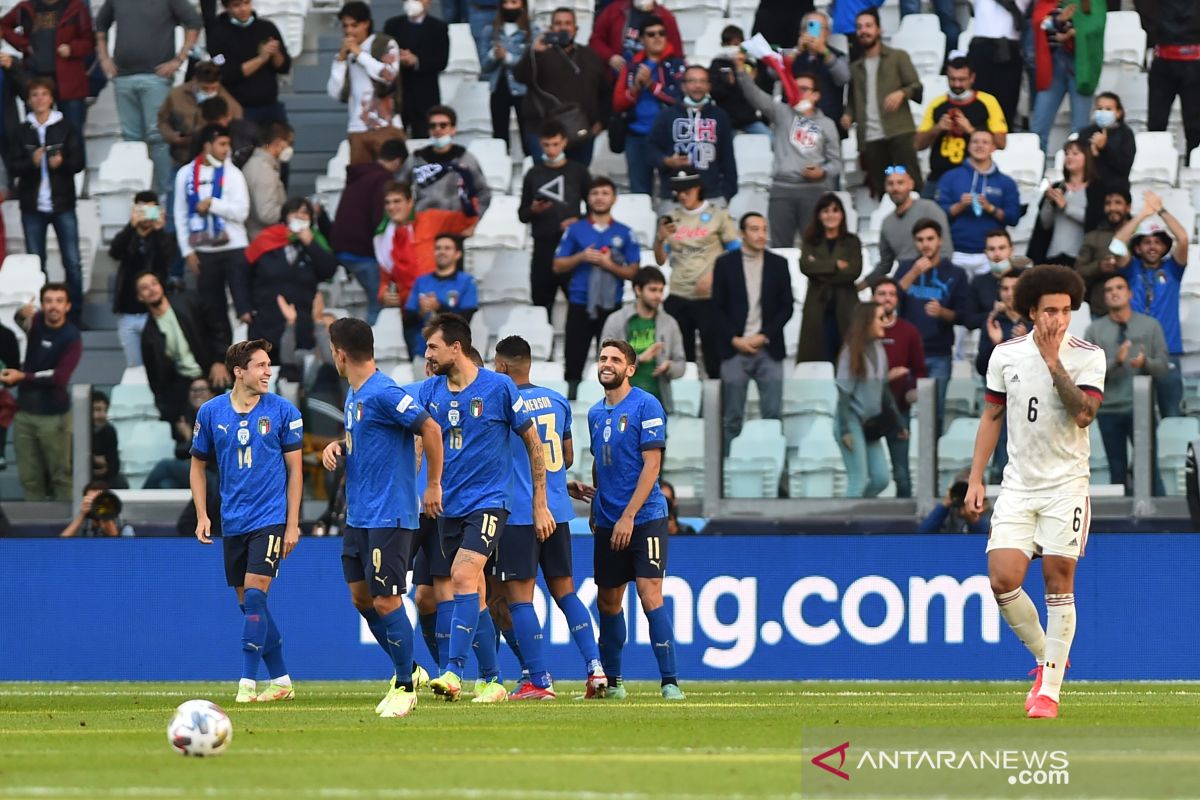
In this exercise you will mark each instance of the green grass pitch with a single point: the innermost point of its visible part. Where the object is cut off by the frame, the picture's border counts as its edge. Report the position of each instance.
(107, 740)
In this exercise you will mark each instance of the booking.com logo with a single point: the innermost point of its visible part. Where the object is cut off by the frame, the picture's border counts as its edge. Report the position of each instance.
(1023, 767)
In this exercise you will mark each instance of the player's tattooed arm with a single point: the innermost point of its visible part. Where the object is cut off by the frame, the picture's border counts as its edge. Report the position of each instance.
(1079, 404)
(543, 520)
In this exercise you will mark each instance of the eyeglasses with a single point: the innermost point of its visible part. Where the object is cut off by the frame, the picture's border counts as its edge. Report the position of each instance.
(896, 169)
(438, 126)
(659, 34)
(805, 90)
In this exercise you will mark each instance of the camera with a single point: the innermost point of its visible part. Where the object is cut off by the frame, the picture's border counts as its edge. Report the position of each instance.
(106, 506)
(557, 38)
(958, 494)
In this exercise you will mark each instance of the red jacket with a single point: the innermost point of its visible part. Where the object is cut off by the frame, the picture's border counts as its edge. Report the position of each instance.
(665, 82)
(74, 30)
(608, 34)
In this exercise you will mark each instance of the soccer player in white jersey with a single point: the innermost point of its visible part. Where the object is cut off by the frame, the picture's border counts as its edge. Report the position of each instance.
(1050, 384)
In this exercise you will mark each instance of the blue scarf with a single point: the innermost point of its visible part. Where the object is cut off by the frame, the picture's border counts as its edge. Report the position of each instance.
(205, 230)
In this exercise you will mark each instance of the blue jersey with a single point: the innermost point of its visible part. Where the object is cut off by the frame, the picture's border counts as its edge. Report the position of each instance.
(475, 426)
(616, 238)
(551, 416)
(381, 474)
(619, 435)
(249, 451)
(414, 389)
(456, 293)
(1155, 292)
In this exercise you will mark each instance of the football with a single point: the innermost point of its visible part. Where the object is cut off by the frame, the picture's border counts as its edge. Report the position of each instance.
(200, 728)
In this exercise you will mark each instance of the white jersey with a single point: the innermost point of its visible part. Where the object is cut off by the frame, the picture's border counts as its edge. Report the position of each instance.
(1047, 452)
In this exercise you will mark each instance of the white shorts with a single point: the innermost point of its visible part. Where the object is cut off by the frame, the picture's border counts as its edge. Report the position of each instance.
(1050, 526)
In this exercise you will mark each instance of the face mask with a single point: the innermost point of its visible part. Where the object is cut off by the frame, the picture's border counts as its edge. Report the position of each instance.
(285, 155)
(643, 5)
(1104, 118)
(202, 96)
(413, 8)
(296, 224)
(960, 97)
(805, 106)
(687, 101)
(558, 159)
(510, 14)
(249, 21)
(212, 160)
(441, 141)
(1000, 267)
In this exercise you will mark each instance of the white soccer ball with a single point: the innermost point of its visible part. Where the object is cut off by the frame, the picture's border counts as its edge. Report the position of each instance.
(200, 728)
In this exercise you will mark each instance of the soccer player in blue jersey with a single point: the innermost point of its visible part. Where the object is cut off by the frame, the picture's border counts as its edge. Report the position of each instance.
(255, 437)
(628, 429)
(381, 497)
(521, 551)
(476, 409)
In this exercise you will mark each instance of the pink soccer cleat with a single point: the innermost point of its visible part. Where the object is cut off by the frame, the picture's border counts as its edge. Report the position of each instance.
(1036, 672)
(531, 691)
(597, 684)
(1043, 708)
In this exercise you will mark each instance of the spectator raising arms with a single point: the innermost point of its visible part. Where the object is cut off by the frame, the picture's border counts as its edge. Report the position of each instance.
(252, 56)
(831, 258)
(55, 39)
(1096, 262)
(365, 76)
(424, 42)
(726, 92)
(831, 67)
(616, 39)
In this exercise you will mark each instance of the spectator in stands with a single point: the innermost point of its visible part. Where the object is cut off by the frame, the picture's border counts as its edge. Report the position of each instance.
(285, 260)
(47, 152)
(509, 37)
(1173, 27)
(358, 215)
(91, 521)
(1096, 262)
(1112, 143)
(264, 183)
(752, 302)
(953, 515)
(600, 254)
(866, 408)
(1068, 37)
(617, 35)
(172, 473)
(443, 174)
(902, 344)
(674, 526)
(243, 134)
(831, 259)
(55, 39)
(895, 233)
(105, 449)
(365, 76)
(807, 155)
(698, 134)
(10, 353)
(1002, 323)
(983, 294)
(42, 426)
(1066, 209)
(424, 42)
(951, 119)
(566, 73)
(653, 334)
(995, 50)
(252, 56)
(143, 68)
(831, 67)
(1134, 345)
(552, 194)
(179, 117)
(395, 248)
(186, 341)
(211, 206)
(1154, 270)
(693, 235)
(12, 86)
(977, 197)
(725, 91)
(886, 76)
(447, 289)
(144, 245)
(933, 294)
(650, 82)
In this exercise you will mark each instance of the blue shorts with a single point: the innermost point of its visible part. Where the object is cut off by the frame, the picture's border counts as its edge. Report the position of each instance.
(644, 557)
(520, 553)
(378, 556)
(256, 553)
(427, 559)
(478, 532)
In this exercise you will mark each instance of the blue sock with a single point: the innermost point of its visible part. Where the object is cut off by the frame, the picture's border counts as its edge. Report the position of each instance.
(485, 644)
(378, 629)
(510, 637)
(272, 654)
(662, 639)
(612, 641)
(428, 623)
(400, 645)
(254, 631)
(445, 613)
(529, 634)
(579, 621)
(463, 622)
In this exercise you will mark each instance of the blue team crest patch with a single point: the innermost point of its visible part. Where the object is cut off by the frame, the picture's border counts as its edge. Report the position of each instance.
(622, 423)
(452, 299)
(476, 407)
(243, 436)
(264, 426)
(358, 412)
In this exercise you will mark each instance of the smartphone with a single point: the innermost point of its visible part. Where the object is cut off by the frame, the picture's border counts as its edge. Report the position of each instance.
(51, 149)
(150, 213)
(813, 28)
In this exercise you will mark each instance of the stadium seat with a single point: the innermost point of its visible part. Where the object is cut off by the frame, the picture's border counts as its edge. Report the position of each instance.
(606, 162)
(955, 449)
(1080, 320)
(960, 398)
(21, 279)
(504, 279)
(291, 26)
(752, 152)
(581, 438)
(1098, 461)
(747, 200)
(708, 43)
(389, 336)
(1022, 160)
(1156, 159)
(1173, 436)
(686, 394)
(495, 162)
(812, 370)
(132, 401)
(1124, 38)
(815, 468)
(544, 373)
(755, 461)
(1132, 86)
(920, 35)
(637, 211)
(133, 375)
(529, 322)
(868, 234)
(480, 333)
(464, 57)
(934, 86)
(472, 102)
(499, 226)
(402, 373)
(683, 461)
(804, 400)
(143, 443)
(964, 38)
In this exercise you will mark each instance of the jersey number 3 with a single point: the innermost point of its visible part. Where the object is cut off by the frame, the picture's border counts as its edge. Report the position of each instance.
(551, 443)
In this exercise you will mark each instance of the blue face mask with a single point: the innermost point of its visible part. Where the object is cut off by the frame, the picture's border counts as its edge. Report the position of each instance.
(202, 96)
(558, 159)
(441, 141)
(249, 21)
(687, 101)
(1104, 118)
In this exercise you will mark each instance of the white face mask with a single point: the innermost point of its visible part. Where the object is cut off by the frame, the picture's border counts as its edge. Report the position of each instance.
(413, 8)
(960, 97)
(201, 96)
(249, 21)
(285, 155)
(805, 106)
(1000, 267)
(1104, 118)
(296, 224)
(212, 160)
(558, 159)
(441, 141)
(644, 5)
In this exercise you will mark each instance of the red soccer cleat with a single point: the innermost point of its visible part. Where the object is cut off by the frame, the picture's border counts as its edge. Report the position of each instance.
(597, 685)
(1043, 708)
(1036, 672)
(531, 691)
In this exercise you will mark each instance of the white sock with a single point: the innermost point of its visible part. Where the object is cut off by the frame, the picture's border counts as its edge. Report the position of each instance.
(248, 683)
(1060, 630)
(1021, 615)
(282, 680)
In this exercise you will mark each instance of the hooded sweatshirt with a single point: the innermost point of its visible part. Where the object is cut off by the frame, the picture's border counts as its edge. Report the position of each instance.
(435, 178)
(704, 134)
(799, 140)
(967, 229)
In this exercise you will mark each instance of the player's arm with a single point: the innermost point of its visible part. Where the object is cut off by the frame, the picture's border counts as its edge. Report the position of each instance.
(568, 447)
(1081, 404)
(651, 464)
(430, 447)
(293, 461)
(198, 479)
(990, 424)
(543, 520)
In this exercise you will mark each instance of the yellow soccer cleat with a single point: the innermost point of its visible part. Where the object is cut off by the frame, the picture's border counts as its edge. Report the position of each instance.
(447, 685)
(276, 691)
(399, 703)
(493, 692)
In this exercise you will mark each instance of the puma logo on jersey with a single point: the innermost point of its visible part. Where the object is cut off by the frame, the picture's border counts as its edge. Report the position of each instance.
(223, 428)
(382, 579)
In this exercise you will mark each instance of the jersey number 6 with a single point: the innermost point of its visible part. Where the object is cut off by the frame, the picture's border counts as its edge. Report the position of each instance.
(1032, 415)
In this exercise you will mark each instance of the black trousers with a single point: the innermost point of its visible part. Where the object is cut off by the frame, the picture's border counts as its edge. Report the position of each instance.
(998, 66)
(503, 103)
(697, 316)
(216, 272)
(1168, 79)
(581, 332)
(544, 285)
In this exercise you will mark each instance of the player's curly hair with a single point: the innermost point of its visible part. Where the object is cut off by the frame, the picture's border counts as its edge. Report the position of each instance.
(1047, 279)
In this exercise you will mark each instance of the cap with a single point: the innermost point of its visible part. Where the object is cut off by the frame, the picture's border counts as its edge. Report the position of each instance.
(1151, 227)
(686, 178)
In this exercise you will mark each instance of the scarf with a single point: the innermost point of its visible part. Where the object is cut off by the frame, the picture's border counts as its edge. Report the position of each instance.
(603, 285)
(205, 230)
(468, 195)
(274, 237)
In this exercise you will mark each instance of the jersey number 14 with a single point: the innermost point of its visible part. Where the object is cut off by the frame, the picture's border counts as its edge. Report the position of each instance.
(245, 460)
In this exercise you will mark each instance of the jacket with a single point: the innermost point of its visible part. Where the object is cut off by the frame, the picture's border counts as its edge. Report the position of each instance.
(1043, 231)
(369, 84)
(429, 41)
(51, 356)
(830, 290)
(896, 71)
(730, 302)
(515, 45)
(266, 191)
(28, 176)
(232, 45)
(729, 96)
(1116, 159)
(612, 34)
(442, 190)
(799, 140)
(705, 135)
(74, 30)
(135, 254)
(1087, 45)
(179, 119)
(208, 337)
(1089, 265)
(256, 285)
(970, 231)
(360, 209)
(572, 75)
(666, 333)
(565, 187)
(665, 89)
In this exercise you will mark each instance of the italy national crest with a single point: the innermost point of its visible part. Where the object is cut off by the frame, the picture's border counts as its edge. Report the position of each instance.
(264, 426)
(358, 412)
(476, 407)
(622, 423)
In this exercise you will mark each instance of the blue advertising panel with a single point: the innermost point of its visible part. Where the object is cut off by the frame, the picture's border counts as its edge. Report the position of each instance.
(744, 607)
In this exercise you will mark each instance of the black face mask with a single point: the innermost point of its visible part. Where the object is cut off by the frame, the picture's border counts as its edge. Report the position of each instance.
(510, 14)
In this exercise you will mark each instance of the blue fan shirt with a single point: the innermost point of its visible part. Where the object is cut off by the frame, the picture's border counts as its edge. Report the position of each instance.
(618, 239)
